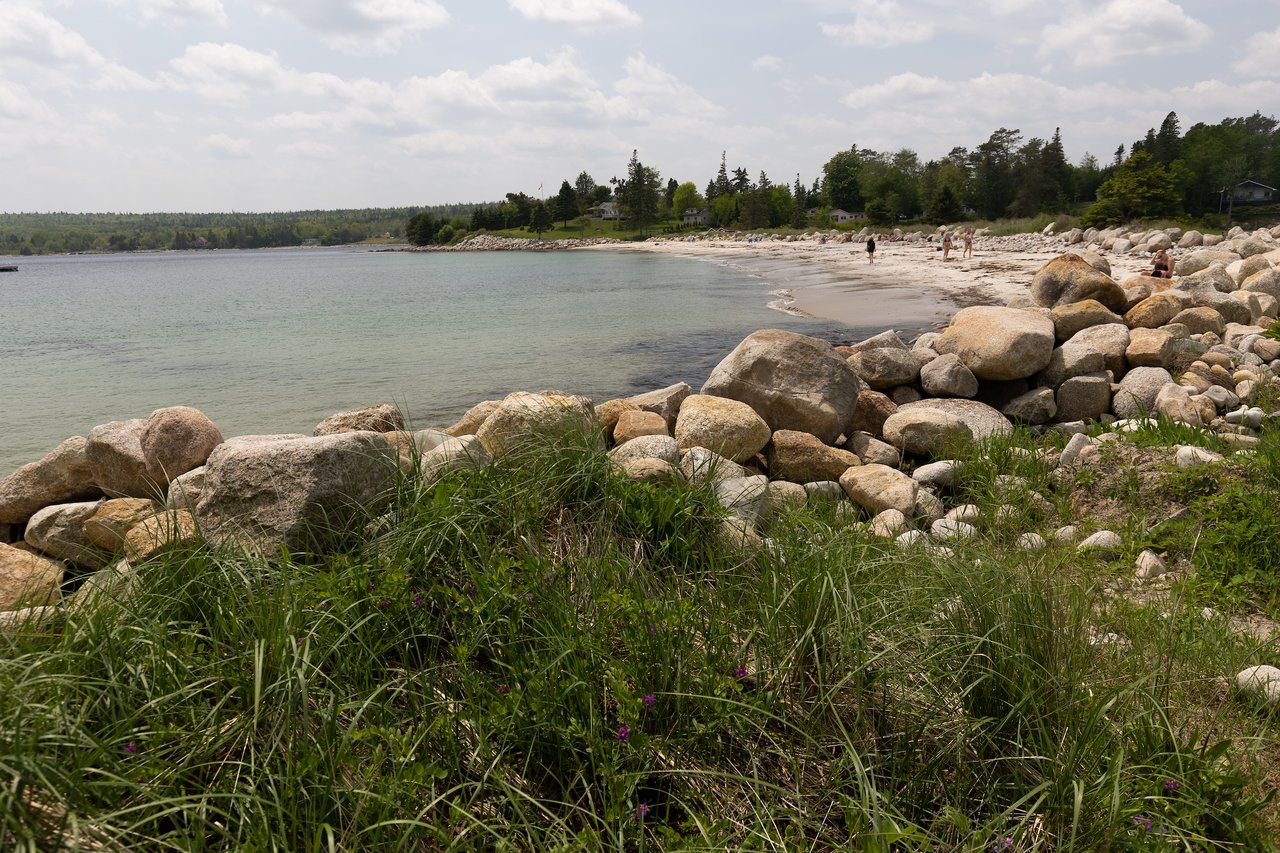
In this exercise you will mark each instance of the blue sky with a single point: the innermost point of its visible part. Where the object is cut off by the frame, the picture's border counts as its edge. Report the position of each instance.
(146, 105)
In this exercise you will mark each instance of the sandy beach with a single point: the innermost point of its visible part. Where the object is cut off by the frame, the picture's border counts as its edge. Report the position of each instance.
(819, 280)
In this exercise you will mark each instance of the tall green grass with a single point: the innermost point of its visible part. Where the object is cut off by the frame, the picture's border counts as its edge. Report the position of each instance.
(542, 655)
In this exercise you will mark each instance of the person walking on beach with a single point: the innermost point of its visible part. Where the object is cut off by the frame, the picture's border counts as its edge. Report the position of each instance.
(871, 249)
(968, 245)
(946, 245)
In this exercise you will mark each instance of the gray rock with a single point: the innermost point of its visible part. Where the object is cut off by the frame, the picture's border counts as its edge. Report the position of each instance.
(383, 417)
(61, 476)
(744, 497)
(1031, 542)
(792, 381)
(1069, 360)
(982, 420)
(1075, 445)
(824, 490)
(1084, 397)
(116, 459)
(874, 451)
(699, 465)
(937, 474)
(1189, 456)
(999, 343)
(888, 524)
(461, 453)
(1137, 392)
(293, 492)
(884, 368)
(926, 432)
(59, 532)
(876, 488)
(1111, 340)
(1261, 681)
(647, 447)
(1104, 542)
(1150, 565)
(928, 507)
(665, 402)
(946, 376)
(1037, 406)
(27, 579)
(184, 490)
(945, 529)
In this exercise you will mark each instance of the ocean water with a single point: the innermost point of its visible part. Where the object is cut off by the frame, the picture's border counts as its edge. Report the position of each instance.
(276, 340)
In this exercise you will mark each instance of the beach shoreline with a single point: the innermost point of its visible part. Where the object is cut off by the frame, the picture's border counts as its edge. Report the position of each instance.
(829, 281)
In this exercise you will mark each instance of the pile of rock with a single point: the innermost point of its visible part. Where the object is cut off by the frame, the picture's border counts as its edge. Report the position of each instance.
(494, 243)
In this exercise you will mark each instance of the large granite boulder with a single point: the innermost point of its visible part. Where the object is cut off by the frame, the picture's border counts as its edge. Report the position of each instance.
(1111, 340)
(873, 408)
(982, 420)
(1267, 281)
(727, 426)
(926, 432)
(1136, 396)
(293, 492)
(1152, 348)
(1083, 398)
(799, 457)
(999, 343)
(792, 381)
(458, 453)
(877, 488)
(636, 423)
(883, 368)
(665, 402)
(1071, 359)
(174, 441)
(473, 418)
(1203, 259)
(59, 532)
(161, 532)
(662, 447)
(1156, 310)
(1069, 278)
(113, 519)
(1071, 317)
(526, 419)
(946, 376)
(116, 459)
(1203, 293)
(63, 475)
(383, 417)
(1201, 320)
(1179, 404)
(1037, 406)
(26, 579)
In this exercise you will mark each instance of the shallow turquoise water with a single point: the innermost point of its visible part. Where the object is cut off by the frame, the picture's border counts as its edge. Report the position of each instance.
(276, 340)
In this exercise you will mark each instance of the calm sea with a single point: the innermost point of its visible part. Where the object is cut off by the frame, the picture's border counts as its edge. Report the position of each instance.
(276, 340)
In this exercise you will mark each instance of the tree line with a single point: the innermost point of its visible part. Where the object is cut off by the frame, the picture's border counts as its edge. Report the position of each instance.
(1166, 173)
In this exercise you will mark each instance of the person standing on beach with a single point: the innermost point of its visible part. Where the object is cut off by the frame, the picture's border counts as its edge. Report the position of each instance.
(946, 245)
(871, 249)
(968, 245)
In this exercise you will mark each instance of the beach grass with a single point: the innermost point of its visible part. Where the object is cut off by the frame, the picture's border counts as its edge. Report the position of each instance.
(544, 655)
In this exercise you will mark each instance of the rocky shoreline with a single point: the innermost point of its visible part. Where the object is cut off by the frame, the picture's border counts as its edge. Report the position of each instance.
(783, 419)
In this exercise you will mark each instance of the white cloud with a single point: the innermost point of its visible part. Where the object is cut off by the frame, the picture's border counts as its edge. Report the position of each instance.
(583, 14)
(767, 63)
(1122, 29)
(362, 26)
(195, 10)
(308, 149)
(1262, 56)
(653, 89)
(28, 35)
(226, 147)
(881, 23)
(230, 73)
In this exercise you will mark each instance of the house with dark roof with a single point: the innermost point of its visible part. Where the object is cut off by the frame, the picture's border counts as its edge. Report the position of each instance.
(1253, 192)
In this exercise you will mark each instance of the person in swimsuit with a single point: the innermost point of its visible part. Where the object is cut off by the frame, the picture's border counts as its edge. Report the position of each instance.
(871, 249)
(968, 245)
(946, 245)
(1161, 266)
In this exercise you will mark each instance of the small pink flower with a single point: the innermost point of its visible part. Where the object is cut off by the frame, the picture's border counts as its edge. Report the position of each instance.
(624, 732)
(740, 672)
(131, 748)
(649, 700)
(642, 811)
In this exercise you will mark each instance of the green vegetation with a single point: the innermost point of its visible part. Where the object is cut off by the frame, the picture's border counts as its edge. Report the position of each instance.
(543, 655)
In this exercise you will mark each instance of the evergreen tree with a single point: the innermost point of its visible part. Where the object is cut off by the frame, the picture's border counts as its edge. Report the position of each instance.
(565, 204)
(539, 218)
(1167, 140)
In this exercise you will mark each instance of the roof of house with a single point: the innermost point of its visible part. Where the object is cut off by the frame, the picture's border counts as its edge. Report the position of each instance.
(1250, 181)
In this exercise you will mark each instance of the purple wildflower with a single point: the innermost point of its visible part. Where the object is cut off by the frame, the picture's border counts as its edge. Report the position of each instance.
(529, 599)
(642, 811)
(740, 672)
(1142, 821)
(624, 732)
(649, 700)
(503, 690)
(1001, 844)
(417, 601)
(384, 605)
(131, 748)
(1171, 785)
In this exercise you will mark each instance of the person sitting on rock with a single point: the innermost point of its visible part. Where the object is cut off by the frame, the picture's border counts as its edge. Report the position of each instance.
(1162, 266)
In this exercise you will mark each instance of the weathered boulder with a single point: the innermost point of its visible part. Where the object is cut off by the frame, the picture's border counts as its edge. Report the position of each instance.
(876, 488)
(1178, 404)
(636, 423)
(175, 440)
(883, 368)
(1261, 681)
(1111, 340)
(1094, 260)
(471, 421)
(662, 447)
(458, 453)
(1083, 398)
(1069, 278)
(1136, 396)
(946, 376)
(63, 475)
(111, 521)
(926, 432)
(869, 416)
(887, 339)
(1071, 317)
(293, 492)
(792, 381)
(1267, 281)
(1203, 259)
(744, 497)
(982, 420)
(698, 464)
(1201, 320)
(799, 457)
(664, 402)
(1214, 276)
(999, 343)
(116, 459)
(525, 419)
(650, 469)
(730, 427)
(872, 450)
(184, 490)
(1156, 310)
(59, 532)
(160, 533)
(1191, 239)
(1152, 348)
(1254, 246)
(383, 417)
(1204, 294)
(1037, 406)
(1070, 359)
(26, 579)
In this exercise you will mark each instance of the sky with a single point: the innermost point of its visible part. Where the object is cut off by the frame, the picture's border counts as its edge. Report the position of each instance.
(262, 105)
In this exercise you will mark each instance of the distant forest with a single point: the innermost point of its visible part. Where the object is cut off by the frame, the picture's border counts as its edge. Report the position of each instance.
(60, 233)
